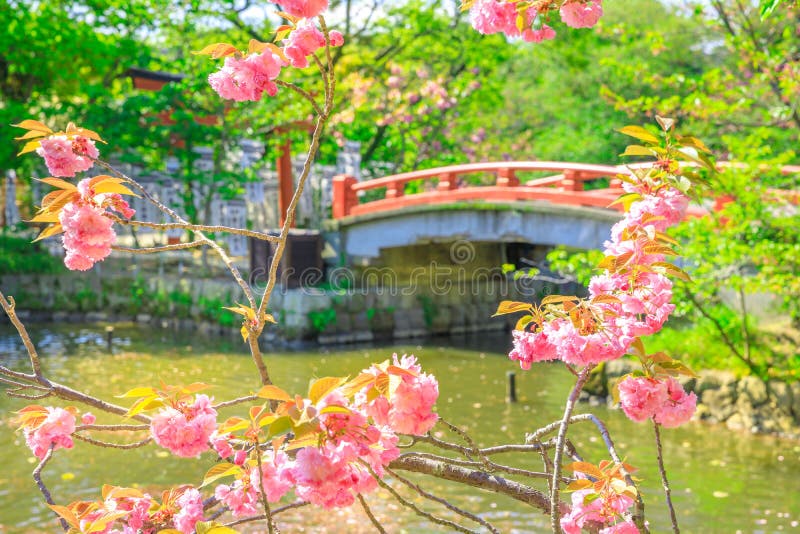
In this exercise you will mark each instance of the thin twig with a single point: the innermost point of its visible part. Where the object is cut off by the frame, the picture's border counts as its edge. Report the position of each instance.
(262, 492)
(414, 507)
(195, 228)
(234, 402)
(110, 445)
(8, 307)
(112, 428)
(276, 511)
(171, 213)
(162, 248)
(664, 481)
(555, 517)
(444, 502)
(371, 517)
(37, 476)
(466, 437)
(302, 92)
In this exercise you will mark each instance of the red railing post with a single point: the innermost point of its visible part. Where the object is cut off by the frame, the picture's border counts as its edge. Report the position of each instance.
(571, 181)
(507, 178)
(447, 182)
(395, 189)
(344, 197)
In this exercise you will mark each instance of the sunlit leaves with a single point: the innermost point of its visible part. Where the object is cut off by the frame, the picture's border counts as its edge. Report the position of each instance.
(249, 315)
(150, 398)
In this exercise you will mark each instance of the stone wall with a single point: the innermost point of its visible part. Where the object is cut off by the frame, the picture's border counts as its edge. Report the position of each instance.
(304, 314)
(746, 403)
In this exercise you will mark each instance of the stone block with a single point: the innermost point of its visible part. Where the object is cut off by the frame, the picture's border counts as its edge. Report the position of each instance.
(441, 320)
(754, 388)
(781, 394)
(720, 403)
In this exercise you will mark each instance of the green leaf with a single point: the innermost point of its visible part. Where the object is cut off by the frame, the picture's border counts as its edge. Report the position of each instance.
(586, 468)
(767, 7)
(279, 426)
(510, 306)
(322, 386)
(273, 393)
(639, 133)
(639, 150)
(220, 470)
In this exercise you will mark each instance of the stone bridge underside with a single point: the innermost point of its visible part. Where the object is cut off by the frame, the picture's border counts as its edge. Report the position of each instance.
(539, 223)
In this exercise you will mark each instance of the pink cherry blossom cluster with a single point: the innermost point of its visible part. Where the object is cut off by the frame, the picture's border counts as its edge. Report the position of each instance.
(409, 410)
(515, 18)
(66, 155)
(607, 510)
(304, 9)
(242, 498)
(306, 39)
(641, 297)
(139, 513)
(88, 234)
(355, 437)
(247, 78)
(664, 401)
(185, 429)
(55, 430)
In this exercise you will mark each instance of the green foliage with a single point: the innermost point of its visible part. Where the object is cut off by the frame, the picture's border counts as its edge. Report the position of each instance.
(321, 319)
(581, 265)
(19, 256)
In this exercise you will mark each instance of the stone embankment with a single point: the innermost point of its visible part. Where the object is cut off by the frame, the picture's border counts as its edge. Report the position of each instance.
(746, 403)
(303, 315)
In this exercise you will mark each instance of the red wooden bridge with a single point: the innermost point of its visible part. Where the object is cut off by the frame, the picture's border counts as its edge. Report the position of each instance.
(443, 185)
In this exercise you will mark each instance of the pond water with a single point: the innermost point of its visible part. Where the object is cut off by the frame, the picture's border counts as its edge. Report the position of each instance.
(723, 482)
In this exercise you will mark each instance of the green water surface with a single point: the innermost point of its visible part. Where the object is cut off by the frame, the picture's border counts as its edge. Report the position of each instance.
(723, 482)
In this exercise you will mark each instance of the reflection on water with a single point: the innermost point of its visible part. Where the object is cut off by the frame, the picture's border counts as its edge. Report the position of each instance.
(723, 482)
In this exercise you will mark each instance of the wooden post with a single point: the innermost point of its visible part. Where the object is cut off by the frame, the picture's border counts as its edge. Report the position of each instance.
(110, 339)
(344, 198)
(395, 189)
(571, 181)
(285, 181)
(511, 391)
(507, 178)
(447, 182)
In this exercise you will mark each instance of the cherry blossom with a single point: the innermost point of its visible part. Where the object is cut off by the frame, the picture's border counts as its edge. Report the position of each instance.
(409, 409)
(581, 14)
(679, 406)
(303, 8)
(248, 78)
(65, 155)
(55, 430)
(190, 511)
(185, 429)
(641, 397)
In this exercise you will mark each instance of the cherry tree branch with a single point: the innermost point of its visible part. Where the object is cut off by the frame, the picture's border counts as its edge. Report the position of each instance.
(444, 502)
(555, 515)
(372, 518)
(37, 477)
(664, 482)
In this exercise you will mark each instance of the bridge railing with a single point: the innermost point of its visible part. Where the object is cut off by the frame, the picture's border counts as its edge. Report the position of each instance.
(566, 187)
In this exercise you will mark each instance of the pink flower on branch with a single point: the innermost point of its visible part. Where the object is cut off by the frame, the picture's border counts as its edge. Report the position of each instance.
(64, 156)
(53, 427)
(247, 78)
(185, 429)
(679, 406)
(581, 13)
(408, 409)
(303, 9)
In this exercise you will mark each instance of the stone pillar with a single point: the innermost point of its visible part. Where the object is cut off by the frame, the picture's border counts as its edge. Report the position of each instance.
(10, 211)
